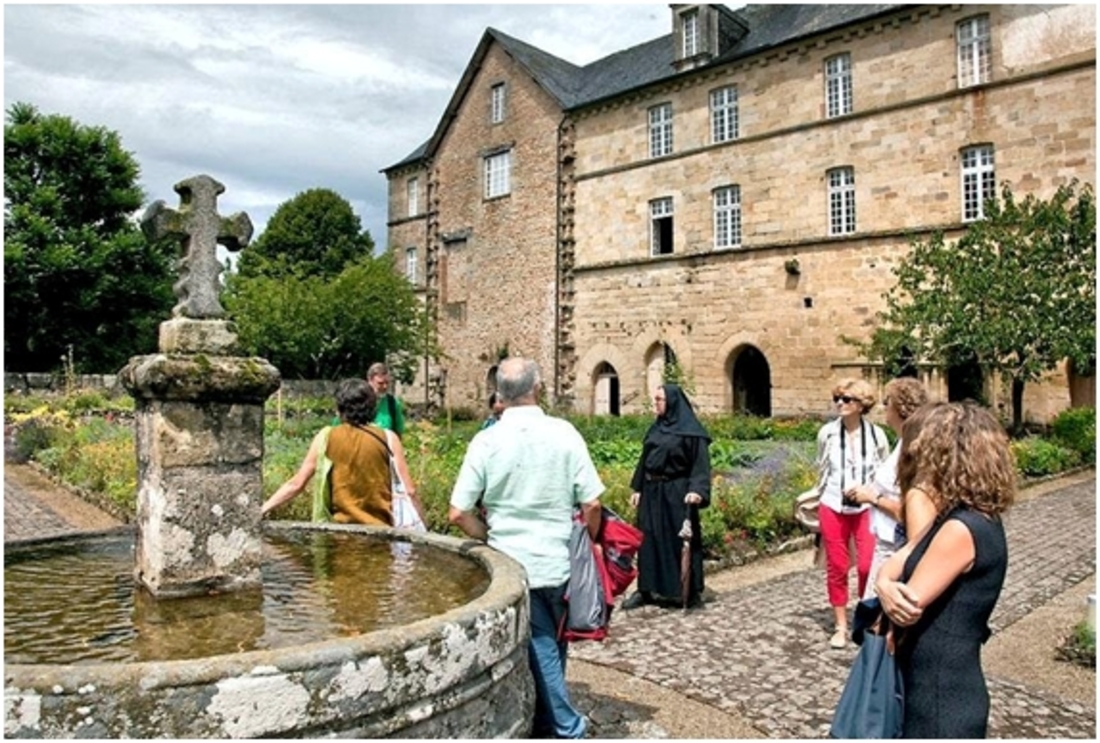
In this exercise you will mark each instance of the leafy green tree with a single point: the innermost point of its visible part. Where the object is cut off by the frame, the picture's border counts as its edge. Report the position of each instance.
(313, 300)
(77, 271)
(315, 233)
(1017, 292)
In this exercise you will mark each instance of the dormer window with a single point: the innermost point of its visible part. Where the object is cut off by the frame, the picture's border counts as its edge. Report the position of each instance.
(703, 33)
(689, 29)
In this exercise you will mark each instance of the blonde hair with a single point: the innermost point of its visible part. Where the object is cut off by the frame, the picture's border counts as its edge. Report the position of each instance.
(959, 454)
(906, 395)
(859, 389)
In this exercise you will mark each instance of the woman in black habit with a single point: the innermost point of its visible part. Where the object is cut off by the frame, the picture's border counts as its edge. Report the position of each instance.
(670, 483)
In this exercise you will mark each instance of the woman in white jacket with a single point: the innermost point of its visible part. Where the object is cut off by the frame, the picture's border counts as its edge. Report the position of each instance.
(849, 450)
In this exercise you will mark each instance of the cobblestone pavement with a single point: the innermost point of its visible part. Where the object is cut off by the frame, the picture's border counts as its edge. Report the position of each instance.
(25, 517)
(758, 652)
(761, 651)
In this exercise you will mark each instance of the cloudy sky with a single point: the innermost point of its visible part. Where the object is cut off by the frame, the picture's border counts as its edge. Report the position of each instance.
(275, 99)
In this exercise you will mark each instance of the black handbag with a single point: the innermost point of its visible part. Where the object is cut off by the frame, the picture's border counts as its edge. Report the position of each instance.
(872, 704)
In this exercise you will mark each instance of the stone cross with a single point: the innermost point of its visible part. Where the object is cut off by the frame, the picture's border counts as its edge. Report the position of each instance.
(199, 229)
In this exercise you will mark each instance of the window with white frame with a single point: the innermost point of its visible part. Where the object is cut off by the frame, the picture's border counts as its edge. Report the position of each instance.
(978, 181)
(689, 27)
(727, 217)
(412, 189)
(724, 119)
(660, 226)
(410, 265)
(842, 201)
(498, 174)
(496, 95)
(838, 85)
(660, 130)
(975, 51)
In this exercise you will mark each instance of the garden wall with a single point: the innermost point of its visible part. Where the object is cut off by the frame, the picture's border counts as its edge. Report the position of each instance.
(45, 384)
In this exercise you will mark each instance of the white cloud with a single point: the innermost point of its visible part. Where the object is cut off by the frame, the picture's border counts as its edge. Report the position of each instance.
(276, 99)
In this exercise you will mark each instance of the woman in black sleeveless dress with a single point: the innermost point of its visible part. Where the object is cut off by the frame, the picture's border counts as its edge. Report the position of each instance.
(940, 589)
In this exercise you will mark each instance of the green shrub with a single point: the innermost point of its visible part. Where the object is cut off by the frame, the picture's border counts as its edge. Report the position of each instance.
(32, 437)
(726, 455)
(1076, 429)
(605, 428)
(615, 452)
(801, 429)
(1038, 457)
(20, 404)
(87, 401)
(1080, 647)
(740, 427)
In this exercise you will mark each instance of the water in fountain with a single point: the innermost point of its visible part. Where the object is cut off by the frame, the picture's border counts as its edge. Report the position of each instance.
(75, 602)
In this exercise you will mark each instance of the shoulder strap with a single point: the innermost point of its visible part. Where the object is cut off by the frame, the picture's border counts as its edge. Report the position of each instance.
(383, 441)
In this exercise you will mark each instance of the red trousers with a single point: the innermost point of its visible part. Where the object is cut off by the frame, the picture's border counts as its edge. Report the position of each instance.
(837, 531)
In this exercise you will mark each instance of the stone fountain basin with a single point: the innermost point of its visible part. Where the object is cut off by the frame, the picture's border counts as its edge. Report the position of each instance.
(460, 674)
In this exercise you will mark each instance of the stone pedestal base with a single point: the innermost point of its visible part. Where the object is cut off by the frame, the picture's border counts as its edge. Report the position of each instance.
(199, 424)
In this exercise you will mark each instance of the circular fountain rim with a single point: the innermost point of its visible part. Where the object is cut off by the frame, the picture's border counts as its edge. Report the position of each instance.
(507, 578)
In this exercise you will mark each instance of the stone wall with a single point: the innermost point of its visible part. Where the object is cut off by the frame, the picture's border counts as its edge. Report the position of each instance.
(496, 257)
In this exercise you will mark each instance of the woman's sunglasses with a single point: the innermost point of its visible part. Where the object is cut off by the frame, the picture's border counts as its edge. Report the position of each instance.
(843, 398)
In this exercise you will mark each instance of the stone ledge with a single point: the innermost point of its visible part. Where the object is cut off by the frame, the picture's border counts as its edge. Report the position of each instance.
(198, 377)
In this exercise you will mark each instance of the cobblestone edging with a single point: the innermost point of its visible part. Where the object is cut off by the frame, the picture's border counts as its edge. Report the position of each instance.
(100, 501)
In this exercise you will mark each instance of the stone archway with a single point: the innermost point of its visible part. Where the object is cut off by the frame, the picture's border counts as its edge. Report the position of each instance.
(657, 359)
(606, 398)
(751, 378)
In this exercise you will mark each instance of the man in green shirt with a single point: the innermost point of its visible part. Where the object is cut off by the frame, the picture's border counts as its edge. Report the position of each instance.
(389, 413)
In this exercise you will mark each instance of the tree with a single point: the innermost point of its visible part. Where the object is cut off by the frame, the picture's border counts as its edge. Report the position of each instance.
(316, 303)
(1016, 293)
(316, 233)
(77, 271)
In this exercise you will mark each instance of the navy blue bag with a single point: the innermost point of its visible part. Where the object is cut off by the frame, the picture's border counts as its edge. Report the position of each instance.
(872, 704)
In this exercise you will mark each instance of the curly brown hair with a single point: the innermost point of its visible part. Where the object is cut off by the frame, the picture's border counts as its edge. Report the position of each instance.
(959, 454)
(906, 395)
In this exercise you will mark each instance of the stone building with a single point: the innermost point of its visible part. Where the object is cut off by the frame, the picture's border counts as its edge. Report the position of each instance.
(731, 197)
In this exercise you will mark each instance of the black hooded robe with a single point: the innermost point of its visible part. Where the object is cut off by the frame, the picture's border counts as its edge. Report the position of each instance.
(675, 460)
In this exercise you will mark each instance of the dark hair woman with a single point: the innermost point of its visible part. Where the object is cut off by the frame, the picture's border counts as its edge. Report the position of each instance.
(670, 484)
(355, 458)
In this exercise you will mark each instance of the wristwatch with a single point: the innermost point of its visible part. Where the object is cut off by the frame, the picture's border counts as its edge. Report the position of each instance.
(878, 497)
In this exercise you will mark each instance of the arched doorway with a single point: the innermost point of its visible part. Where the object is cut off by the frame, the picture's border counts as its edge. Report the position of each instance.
(657, 360)
(752, 383)
(606, 395)
(965, 381)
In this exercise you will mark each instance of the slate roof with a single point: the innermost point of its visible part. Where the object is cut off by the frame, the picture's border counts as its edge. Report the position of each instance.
(648, 63)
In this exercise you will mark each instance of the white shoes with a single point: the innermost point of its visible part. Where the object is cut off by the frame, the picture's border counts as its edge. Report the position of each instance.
(839, 640)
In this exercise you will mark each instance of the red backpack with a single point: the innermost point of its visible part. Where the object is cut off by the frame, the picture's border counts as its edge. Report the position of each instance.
(597, 576)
